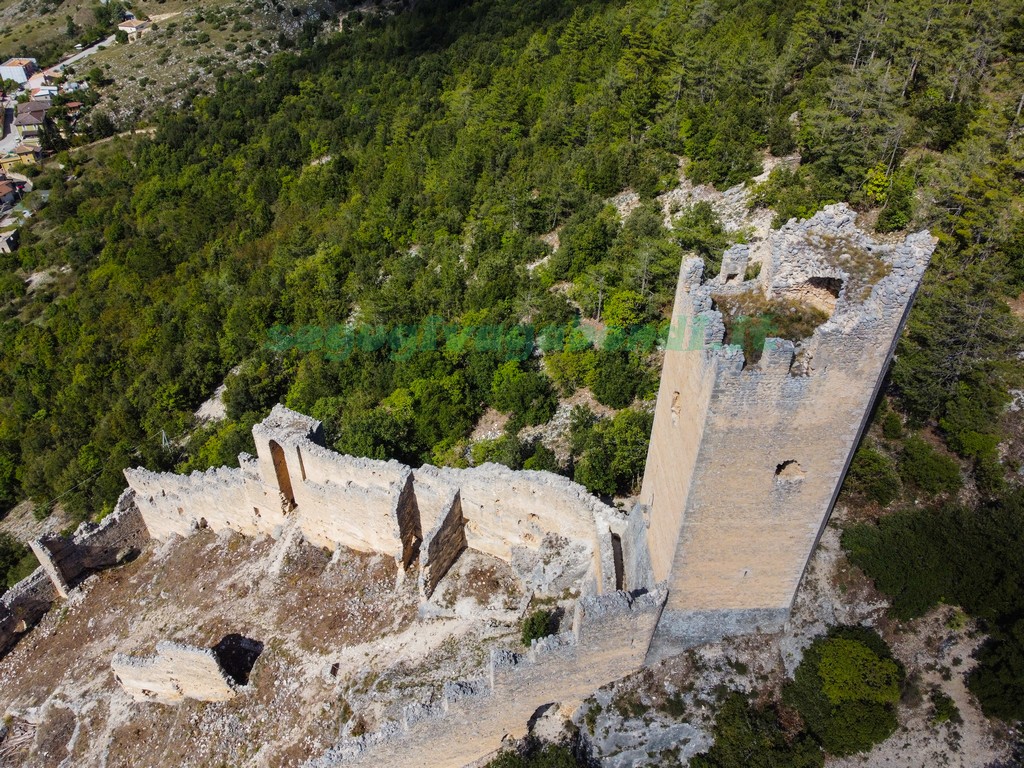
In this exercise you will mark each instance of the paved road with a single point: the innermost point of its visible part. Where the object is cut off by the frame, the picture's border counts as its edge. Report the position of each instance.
(82, 54)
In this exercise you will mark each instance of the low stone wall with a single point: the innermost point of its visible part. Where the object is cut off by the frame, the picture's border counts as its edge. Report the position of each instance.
(94, 546)
(176, 672)
(470, 718)
(23, 605)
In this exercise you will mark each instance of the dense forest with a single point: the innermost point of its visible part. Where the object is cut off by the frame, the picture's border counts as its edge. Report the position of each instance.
(404, 169)
(371, 190)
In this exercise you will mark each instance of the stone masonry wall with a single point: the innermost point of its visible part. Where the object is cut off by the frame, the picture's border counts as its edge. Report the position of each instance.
(23, 605)
(119, 536)
(176, 672)
(377, 506)
(471, 718)
(745, 460)
(444, 531)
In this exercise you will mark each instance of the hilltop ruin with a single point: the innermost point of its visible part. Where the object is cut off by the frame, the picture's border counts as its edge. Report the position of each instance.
(751, 440)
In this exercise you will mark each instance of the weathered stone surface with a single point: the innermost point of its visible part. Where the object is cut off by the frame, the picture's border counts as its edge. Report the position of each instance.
(472, 718)
(745, 460)
(444, 532)
(65, 559)
(378, 506)
(23, 605)
(176, 672)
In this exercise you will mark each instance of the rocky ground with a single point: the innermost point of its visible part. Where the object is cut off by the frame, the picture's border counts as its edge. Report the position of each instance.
(346, 644)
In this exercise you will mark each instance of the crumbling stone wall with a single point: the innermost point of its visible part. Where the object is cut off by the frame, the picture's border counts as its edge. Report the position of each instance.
(23, 605)
(377, 506)
(176, 672)
(505, 508)
(444, 531)
(746, 459)
(120, 536)
(218, 498)
(64, 560)
(470, 718)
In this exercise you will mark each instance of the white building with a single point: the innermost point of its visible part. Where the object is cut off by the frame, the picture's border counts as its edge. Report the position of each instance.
(18, 70)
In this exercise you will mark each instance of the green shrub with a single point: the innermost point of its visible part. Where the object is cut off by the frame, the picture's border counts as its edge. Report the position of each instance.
(16, 561)
(615, 378)
(543, 459)
(525, 394)
(892, 426)
(846, 689)
(611, 454)
(945, 709)
(507, 450)
(873, 476)
(536, 755)
(538, 624)
(998, 680)
(747, 737)
(972, 558)
(924, 467)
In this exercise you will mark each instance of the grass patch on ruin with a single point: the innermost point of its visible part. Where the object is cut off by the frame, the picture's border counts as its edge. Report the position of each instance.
(863, 268)
(752, 317)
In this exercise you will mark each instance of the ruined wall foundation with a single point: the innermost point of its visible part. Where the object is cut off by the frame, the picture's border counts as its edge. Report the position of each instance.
(471, 719)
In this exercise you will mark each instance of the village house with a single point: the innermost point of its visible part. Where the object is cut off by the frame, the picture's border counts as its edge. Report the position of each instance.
(23, 155)
(134, 28)
(8, 192)
(30, 118)
(18, 70)
(8, 241)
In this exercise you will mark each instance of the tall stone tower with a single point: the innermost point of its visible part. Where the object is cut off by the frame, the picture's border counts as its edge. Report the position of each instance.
(747, 455)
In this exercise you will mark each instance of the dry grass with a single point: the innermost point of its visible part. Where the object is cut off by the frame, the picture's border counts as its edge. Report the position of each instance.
(751, 317)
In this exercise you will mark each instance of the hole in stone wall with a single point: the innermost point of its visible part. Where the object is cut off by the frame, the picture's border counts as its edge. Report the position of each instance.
(237, 655)
(789, 470)
(256, 511)
(676, 408)
(818, 292)
(831, 284)
(731, 276)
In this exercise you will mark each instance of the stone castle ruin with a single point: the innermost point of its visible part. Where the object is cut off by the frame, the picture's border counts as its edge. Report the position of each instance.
(747, 456)
(769, 376)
